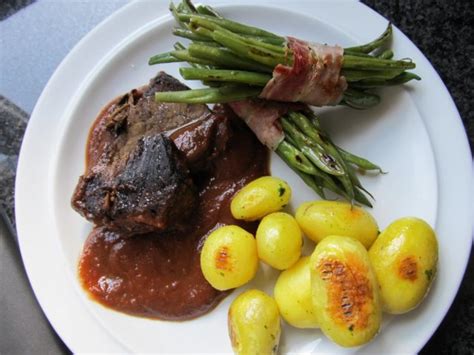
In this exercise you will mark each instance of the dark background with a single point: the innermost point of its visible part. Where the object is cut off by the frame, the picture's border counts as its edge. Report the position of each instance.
(444, 32)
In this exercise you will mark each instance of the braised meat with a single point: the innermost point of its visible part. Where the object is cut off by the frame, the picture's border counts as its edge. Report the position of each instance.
(136, 179)
(153, 189)
(203, 140)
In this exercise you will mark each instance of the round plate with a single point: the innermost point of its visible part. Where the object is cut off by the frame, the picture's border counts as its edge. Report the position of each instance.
(406, 135)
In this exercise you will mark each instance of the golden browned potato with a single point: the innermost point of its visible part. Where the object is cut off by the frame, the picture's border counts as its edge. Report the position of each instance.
(229, 257)
(279, 240)
(260, 197)
(345, 291)
(404, 258)
(254, 324)
(293, 295)
(318, 219)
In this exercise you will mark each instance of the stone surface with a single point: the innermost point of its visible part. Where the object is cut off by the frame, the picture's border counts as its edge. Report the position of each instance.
(13, 122)
(9, 7)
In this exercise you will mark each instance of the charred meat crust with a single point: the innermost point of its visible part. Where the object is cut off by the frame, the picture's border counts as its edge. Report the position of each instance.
(137, 180)
(153, 189)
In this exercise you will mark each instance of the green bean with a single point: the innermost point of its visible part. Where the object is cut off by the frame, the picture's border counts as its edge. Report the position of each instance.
(180, 46)
(207, 10)
(362, 63)
(185, 33)
(184, 55)
(175, 13)
(256, 42)
(278, 50)
(360, 197)
(290, 140)
(306, 125)
(166, 57)
(242, 46)
(202, 31)
(313, 151)
(359, 99)
(231, 76)
(347, 184)
(309, 180)
(387, 54)
(378, 42)
(225, 58)
(233, 26)
(211, 95)
(357, 54)
(188, 6)
(354, 75)
(196, 36)
(296, 158)
(208, 44)
(213, 84)
(360, 162)
(356, 182)
(373, 83)
(312, 133)
(291, 156)
(330, 184)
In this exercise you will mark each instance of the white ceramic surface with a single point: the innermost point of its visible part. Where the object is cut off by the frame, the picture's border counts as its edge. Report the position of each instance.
(406, 135)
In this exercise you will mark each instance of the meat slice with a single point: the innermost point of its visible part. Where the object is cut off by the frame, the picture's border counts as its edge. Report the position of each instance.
(315, 77)
(261, 117)
(130, 117)
(202, 141)
(151, 192)
(136, 180)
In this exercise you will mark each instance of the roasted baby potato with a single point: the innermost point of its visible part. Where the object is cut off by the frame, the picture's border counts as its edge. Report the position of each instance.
(279, 240)
(318, 219)
(254, 324)
(345, 291)
(404, 259)
(293, 295)
(260, 197)
(229, 257)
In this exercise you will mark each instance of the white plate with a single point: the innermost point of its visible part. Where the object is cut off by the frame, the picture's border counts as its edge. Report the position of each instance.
(415, 134)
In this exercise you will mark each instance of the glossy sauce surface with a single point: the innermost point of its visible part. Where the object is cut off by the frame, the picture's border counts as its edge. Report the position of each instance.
(159, 275)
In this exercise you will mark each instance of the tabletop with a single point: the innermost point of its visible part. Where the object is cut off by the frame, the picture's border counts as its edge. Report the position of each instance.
(36, 35)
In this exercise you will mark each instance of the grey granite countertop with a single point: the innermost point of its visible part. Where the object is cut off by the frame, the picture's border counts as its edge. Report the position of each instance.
(443, 31)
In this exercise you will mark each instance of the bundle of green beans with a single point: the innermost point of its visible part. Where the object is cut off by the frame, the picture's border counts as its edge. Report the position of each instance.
(235, 61)
(241, 58)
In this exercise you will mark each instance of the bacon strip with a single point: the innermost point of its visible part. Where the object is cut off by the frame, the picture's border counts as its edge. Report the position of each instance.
(314, 78)
(262, 118)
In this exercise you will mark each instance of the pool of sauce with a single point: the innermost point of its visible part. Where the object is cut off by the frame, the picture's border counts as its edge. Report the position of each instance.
(159, 275)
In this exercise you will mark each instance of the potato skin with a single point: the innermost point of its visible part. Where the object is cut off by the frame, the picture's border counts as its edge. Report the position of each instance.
(404, 258)
(260, 197)
(229, 257)
(293, 295)
(279, 240)
(345, 291)
(254, 324)
(318, 219)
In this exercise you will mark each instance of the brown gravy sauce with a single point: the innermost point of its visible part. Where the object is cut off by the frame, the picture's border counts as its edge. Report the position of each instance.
(159, 276)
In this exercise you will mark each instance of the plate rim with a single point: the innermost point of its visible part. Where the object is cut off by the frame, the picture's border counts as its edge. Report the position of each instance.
(26, 152)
